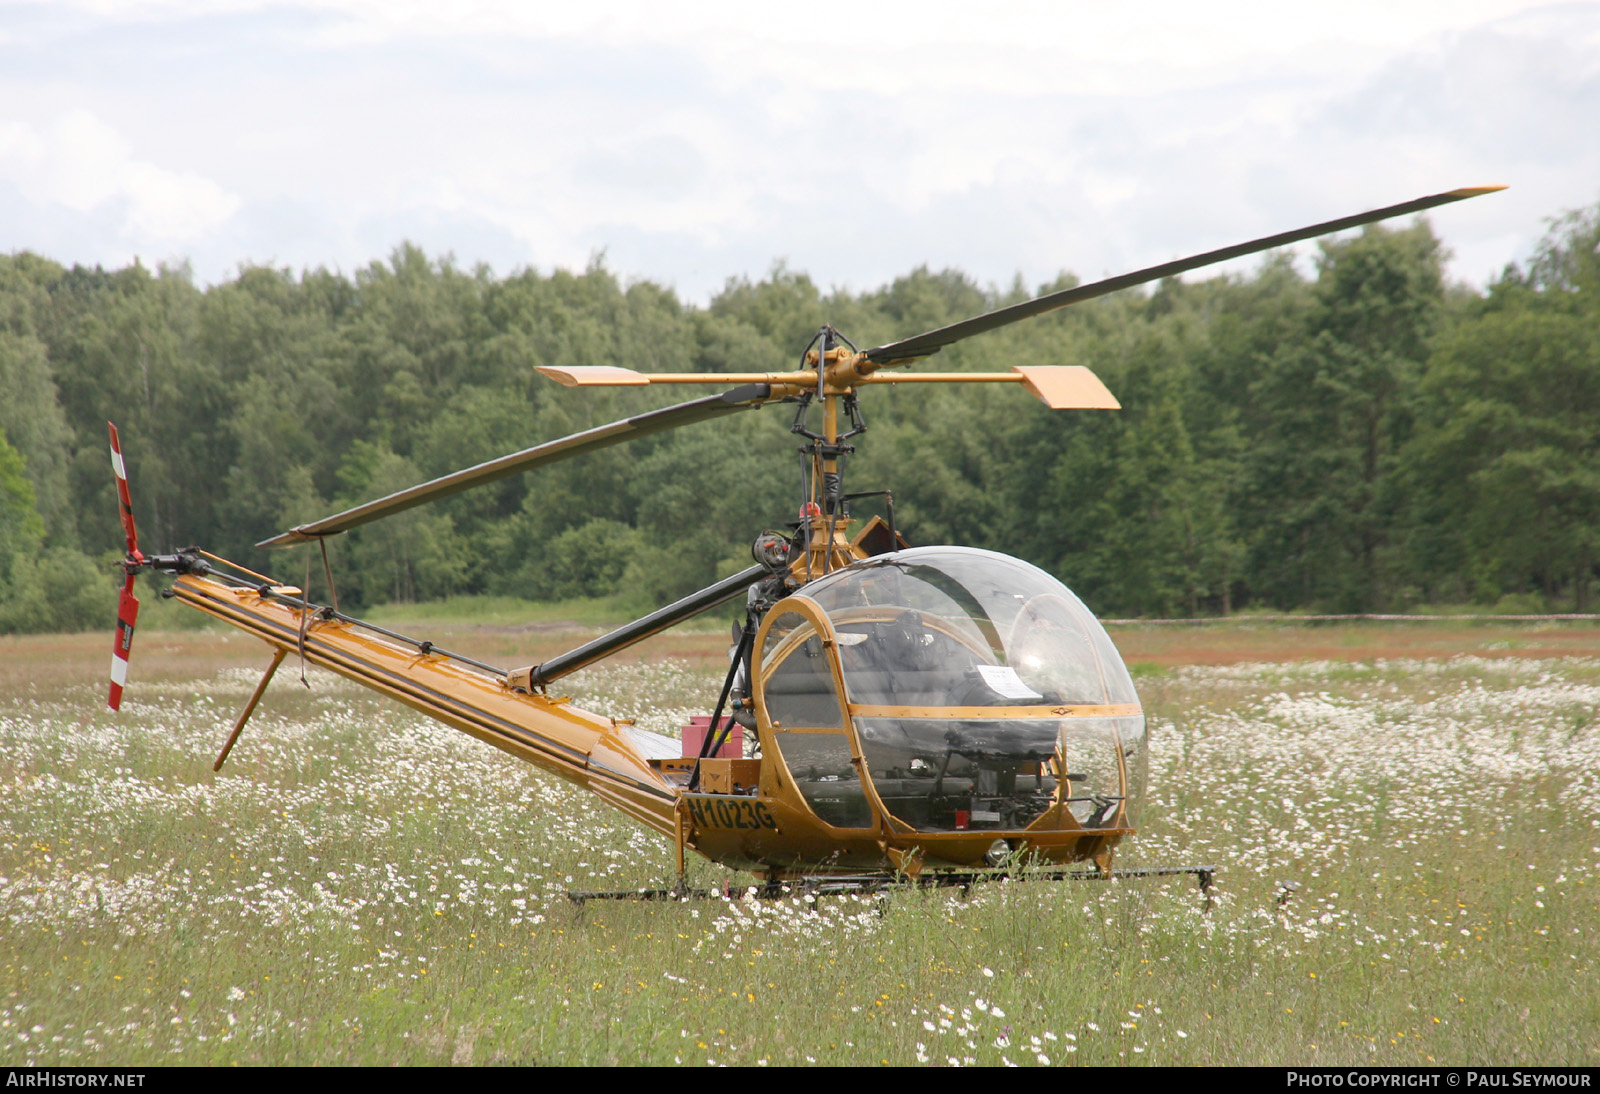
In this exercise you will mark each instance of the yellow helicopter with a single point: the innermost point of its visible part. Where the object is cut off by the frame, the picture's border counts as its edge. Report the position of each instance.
(890, 713)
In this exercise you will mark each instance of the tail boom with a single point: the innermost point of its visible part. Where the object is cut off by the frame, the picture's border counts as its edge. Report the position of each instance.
(552, 734)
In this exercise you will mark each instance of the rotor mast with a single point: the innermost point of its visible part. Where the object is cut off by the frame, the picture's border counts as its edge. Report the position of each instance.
(830, 362)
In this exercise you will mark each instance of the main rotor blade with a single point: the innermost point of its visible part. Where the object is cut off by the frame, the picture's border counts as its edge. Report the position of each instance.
(612, 376)
(656, 421)
(922, 345)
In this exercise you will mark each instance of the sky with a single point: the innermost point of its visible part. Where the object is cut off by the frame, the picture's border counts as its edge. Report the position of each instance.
(692, 143)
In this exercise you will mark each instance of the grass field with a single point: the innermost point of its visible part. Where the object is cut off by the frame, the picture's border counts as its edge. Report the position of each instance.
(360, 886)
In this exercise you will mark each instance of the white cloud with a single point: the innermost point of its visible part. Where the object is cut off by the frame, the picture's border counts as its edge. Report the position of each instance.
(77, 161)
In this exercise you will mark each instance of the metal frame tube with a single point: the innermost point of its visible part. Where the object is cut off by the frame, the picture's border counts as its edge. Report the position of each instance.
(640, 629)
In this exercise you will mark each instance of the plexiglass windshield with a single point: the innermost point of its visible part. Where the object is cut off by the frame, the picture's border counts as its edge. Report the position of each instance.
(931, 641)
(954, 626)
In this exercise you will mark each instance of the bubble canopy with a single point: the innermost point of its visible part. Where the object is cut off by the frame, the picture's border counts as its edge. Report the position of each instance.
(982, 694)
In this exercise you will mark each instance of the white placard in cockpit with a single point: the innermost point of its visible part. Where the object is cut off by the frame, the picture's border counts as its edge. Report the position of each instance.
(1003, 680)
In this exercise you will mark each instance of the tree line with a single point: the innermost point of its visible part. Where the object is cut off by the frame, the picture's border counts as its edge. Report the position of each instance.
(1368, 438)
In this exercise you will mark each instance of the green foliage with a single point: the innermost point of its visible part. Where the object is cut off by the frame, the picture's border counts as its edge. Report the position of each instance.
(586, 561)
(31, 419)
(1332, 412)
(60, 590)
(1507, 462)
(414, 555)
(21, 529)
(53, 589)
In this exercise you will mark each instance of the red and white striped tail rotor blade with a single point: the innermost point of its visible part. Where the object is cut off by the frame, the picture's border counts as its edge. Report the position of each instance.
(127, 603)
(124, 499)
(127, 615)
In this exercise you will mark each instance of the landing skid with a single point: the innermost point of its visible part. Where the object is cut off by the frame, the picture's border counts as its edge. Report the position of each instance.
(845, 884)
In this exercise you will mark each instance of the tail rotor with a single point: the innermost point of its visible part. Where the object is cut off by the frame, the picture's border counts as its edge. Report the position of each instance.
(127, 603)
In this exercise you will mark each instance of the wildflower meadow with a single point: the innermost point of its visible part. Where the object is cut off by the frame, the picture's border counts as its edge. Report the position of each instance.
(1408, 853)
